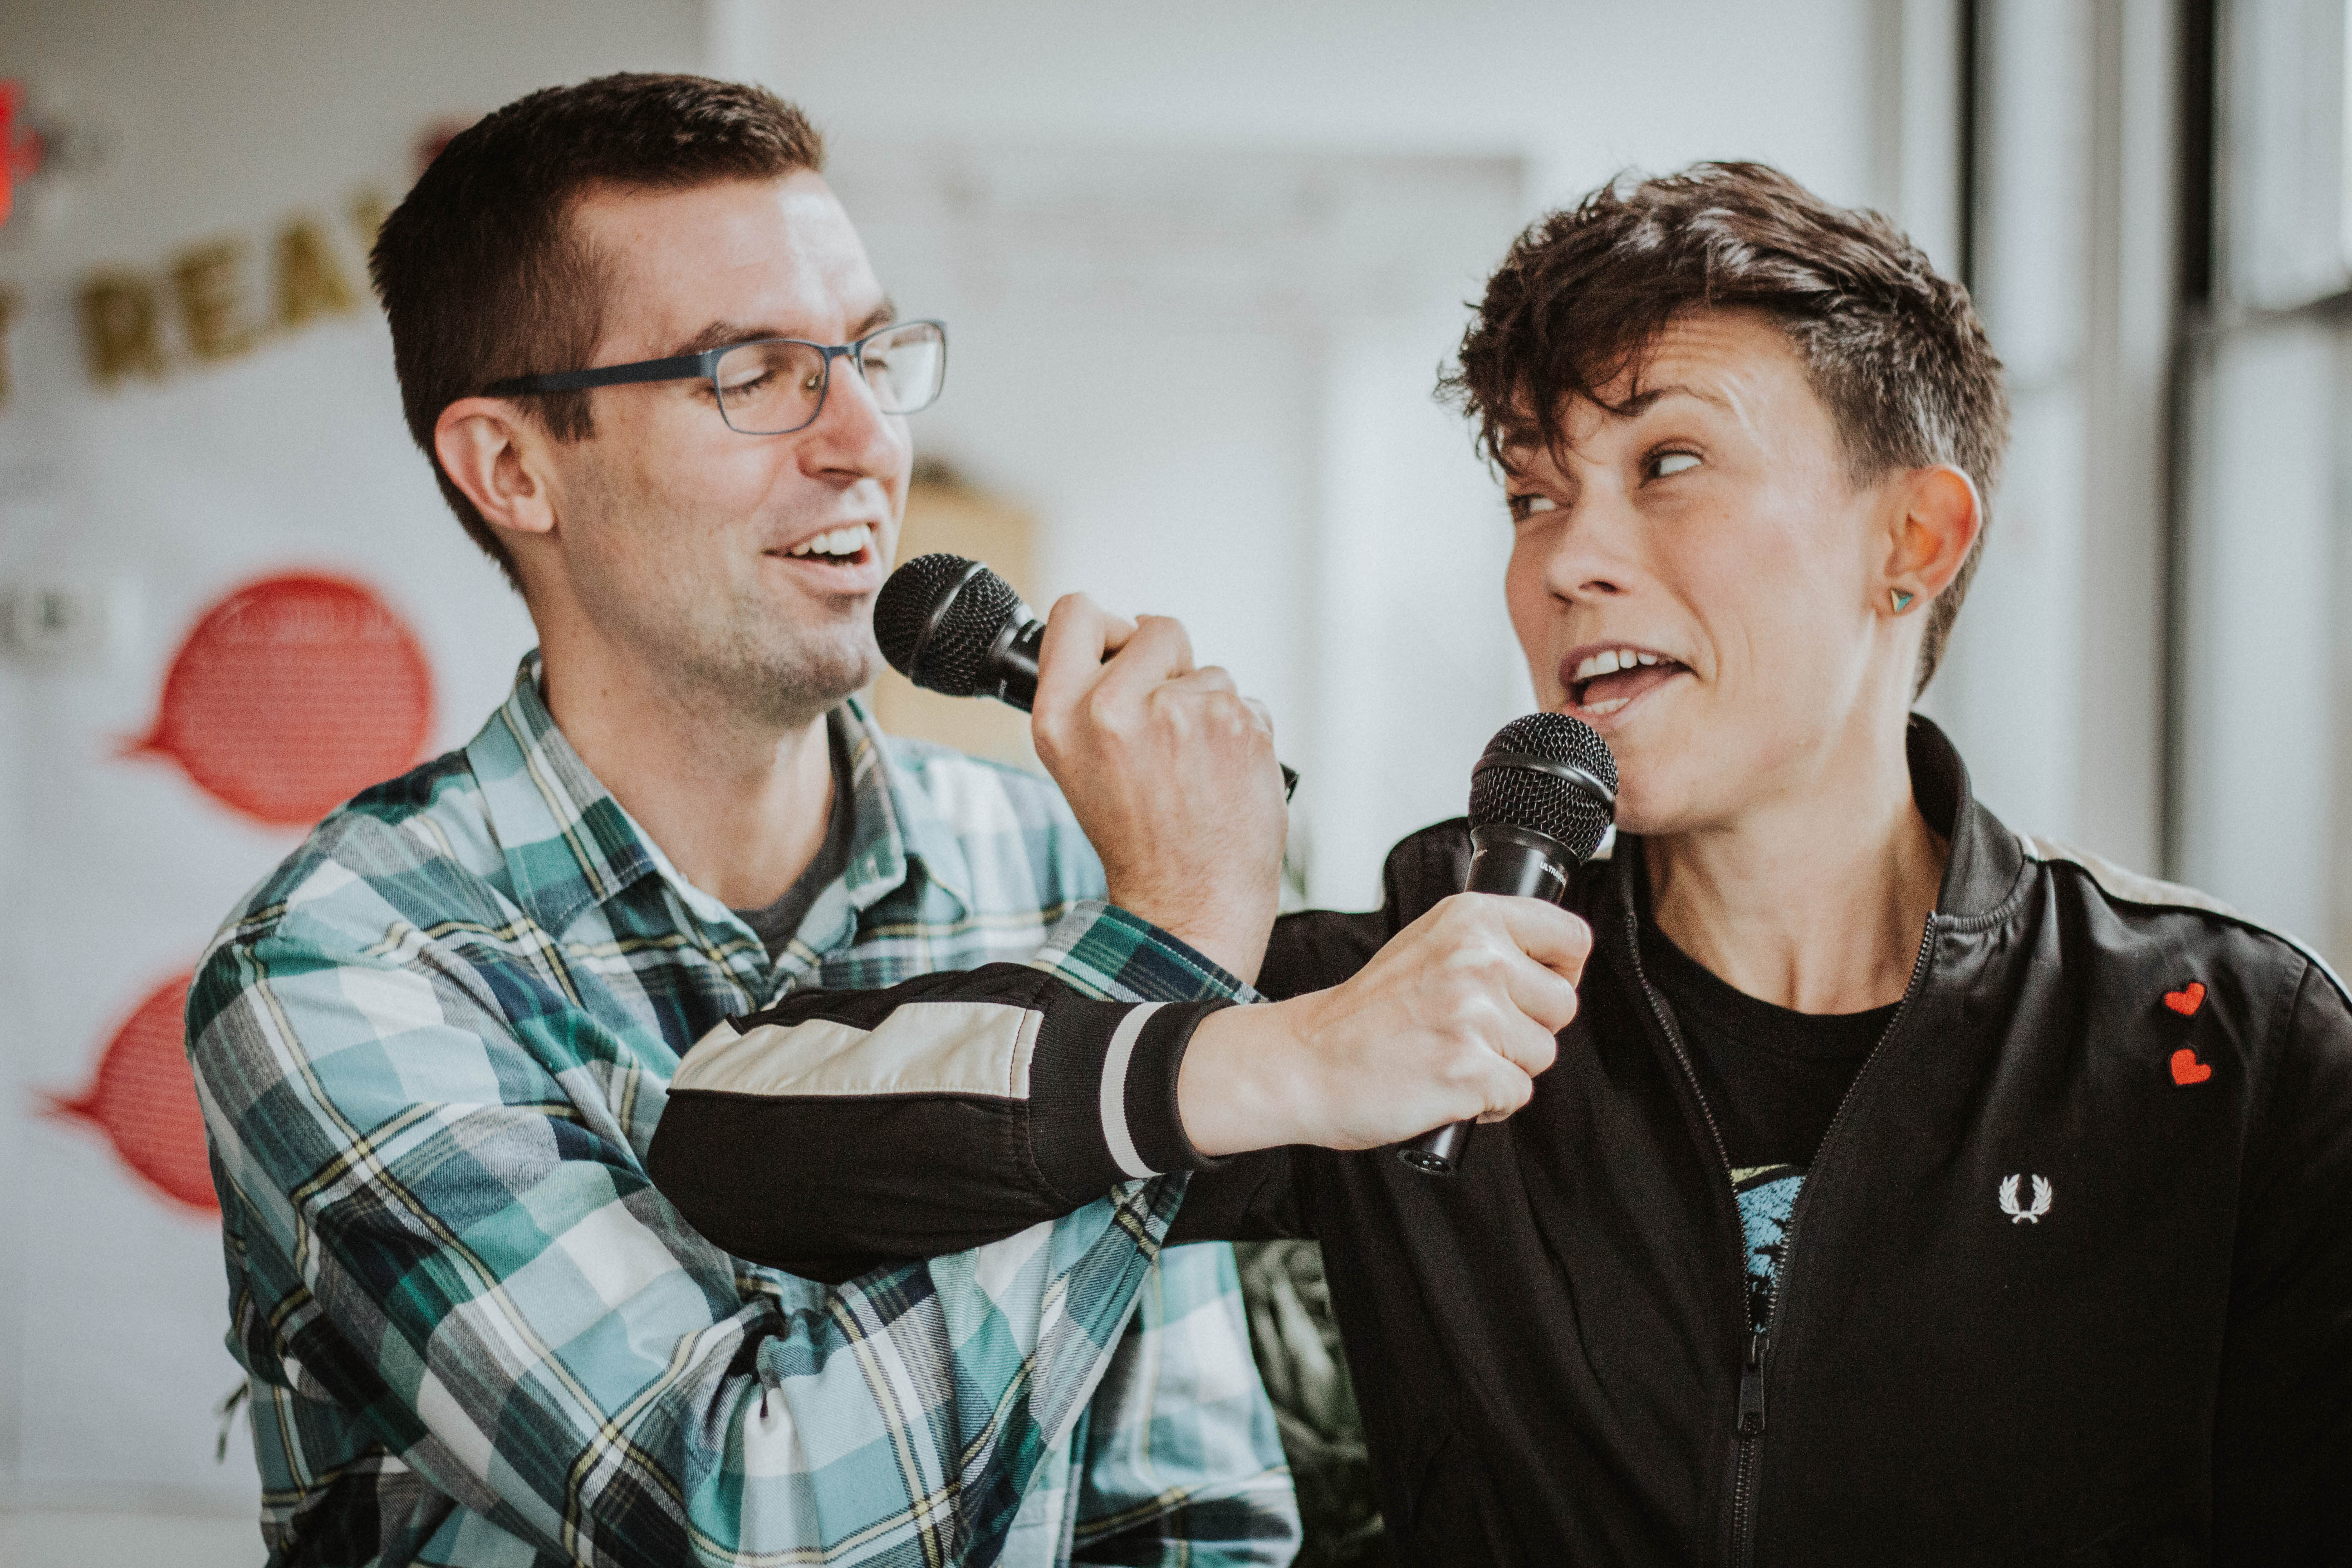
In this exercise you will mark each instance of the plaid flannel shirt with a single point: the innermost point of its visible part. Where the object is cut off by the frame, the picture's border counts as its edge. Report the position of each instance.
(430, 1050)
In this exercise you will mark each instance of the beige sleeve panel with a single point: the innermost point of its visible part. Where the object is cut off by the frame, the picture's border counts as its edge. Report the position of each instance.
(2129, 886)
(2132, 888)
(922, 1047)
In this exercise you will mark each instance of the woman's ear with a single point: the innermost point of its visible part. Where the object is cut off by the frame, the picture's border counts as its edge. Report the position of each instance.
(492, 454)
(1942, 515)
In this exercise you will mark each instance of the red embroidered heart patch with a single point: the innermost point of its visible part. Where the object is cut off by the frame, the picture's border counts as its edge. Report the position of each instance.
(2185, 1001)
(2187, 1069)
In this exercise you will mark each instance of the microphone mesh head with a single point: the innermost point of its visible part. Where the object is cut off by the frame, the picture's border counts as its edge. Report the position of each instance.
(904, 606)
(1561, 809)
(951, 660)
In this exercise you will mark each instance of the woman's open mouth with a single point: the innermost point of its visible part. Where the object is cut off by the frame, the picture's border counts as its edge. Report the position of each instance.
(1602, 683)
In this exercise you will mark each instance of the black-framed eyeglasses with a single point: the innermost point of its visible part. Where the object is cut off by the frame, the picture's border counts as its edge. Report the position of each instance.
(774, 386)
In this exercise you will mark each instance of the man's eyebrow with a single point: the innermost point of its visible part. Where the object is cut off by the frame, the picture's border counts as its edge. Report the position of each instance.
(722, 334)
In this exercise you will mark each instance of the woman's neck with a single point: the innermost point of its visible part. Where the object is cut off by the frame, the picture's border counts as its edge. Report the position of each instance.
(1816, 902)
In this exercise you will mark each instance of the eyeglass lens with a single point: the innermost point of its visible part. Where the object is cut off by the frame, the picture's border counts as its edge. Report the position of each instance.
(768, 389)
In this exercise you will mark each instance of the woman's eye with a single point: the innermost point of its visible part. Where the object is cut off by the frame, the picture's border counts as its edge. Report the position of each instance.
(1668, 463)
(1527, 505)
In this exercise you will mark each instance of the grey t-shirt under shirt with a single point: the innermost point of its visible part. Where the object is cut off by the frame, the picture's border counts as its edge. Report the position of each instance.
(776, 925)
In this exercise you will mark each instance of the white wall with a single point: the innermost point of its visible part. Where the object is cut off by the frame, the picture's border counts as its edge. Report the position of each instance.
(221, 119)
(2053, 687)
(1580, 89)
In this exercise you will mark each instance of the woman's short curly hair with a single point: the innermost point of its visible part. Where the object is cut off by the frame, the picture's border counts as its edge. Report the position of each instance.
(1892, 347)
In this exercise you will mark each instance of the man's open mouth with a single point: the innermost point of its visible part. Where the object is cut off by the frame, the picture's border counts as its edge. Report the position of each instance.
(1604, 682)
(850, 546)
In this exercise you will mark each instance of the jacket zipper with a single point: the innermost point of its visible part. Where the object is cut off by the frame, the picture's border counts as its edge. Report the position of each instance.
(1749, 1426)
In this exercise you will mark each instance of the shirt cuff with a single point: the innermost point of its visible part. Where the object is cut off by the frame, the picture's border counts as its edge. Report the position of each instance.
(1102, 1094)
(1103, 951)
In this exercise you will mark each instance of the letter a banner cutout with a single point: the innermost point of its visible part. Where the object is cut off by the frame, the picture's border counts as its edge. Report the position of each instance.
(143, 1098)
(292, 695)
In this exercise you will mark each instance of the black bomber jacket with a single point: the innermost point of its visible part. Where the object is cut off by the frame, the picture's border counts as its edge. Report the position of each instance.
(2068, 1281)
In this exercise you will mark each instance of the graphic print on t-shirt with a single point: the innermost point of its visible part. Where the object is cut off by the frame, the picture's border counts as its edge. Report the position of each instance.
(1766, 1194)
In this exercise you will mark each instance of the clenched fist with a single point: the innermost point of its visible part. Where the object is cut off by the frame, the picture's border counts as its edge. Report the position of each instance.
(1449, 1021)
(1170, 771)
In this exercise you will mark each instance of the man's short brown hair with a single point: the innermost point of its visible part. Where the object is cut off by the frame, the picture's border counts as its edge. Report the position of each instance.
(1893, 349)
(480, 269)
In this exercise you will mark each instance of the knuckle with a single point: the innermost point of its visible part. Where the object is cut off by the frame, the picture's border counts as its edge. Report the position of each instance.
(1580, 935)
(1107, 717)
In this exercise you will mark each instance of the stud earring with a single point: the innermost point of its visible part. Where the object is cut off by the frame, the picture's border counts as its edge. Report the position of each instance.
(1899, 599)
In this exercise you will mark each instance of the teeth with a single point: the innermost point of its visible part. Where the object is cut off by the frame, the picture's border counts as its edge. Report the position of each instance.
(837, 541)
(1610, 706)
(1612, 661)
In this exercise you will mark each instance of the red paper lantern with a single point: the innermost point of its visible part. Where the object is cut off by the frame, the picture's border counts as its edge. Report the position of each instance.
(292, 695)
(144, 1099)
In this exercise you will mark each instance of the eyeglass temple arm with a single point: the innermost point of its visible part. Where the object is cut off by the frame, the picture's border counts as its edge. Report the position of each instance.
(681, 368)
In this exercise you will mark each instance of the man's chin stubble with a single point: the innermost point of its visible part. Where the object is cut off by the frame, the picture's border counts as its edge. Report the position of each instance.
(782, 689)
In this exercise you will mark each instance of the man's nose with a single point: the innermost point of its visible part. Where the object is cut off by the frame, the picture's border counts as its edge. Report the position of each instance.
(851, 436)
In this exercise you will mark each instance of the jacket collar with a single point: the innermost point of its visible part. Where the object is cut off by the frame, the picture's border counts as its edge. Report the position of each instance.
(1986, 860)
(569, 845)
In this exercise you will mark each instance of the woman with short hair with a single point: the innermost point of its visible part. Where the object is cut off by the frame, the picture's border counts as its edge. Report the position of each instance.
(1906, 1189)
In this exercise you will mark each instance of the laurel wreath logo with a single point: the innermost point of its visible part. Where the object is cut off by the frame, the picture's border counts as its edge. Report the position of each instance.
(2009, 1203)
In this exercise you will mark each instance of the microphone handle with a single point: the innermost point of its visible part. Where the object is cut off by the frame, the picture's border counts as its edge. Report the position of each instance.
(1523, 863)
(1011, 665)
(1012, 662)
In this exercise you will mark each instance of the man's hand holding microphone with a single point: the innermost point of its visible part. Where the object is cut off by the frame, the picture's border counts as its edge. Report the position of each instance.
(1172, 774)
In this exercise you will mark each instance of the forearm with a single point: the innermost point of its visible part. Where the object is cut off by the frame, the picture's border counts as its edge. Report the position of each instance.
(964, 1106)
(840, 1131)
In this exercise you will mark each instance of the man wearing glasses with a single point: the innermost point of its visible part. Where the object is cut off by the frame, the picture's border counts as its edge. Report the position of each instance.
(662, 387)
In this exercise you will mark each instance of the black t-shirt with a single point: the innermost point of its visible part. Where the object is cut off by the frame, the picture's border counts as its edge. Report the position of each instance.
(1773, 1079)
(776, 924)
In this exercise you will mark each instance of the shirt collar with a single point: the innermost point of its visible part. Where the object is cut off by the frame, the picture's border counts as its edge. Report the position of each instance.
(897, 821)
(569, 844)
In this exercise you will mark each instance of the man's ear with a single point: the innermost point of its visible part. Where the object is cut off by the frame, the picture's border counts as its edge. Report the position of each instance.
(495, 455)
(1941, 517)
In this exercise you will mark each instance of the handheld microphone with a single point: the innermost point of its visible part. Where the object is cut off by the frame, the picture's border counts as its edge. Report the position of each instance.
(953, 627)
(1542, 798)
